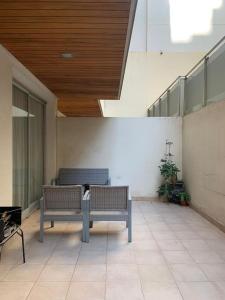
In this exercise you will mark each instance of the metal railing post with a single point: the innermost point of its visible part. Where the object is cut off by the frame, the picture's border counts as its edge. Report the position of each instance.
(159, 107)
(168, 103)
(182, 96)
(205, 96)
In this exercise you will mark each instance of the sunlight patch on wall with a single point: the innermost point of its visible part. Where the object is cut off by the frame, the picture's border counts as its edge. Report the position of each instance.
(189, 18)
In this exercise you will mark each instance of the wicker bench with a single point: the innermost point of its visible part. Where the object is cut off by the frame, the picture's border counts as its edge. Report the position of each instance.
(108, 203)
(74, 176)
(61, 203)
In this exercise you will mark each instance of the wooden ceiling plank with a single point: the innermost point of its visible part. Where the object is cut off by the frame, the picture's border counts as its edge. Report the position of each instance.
(61, 19)
(77, 6)
(65, 13)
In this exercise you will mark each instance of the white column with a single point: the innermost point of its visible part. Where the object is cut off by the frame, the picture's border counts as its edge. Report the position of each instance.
(6, 164)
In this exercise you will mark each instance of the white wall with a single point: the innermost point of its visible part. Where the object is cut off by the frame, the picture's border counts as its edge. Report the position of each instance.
(204, 159)
(147, 75)
(5, 132)
(11, 69)
(131, 148)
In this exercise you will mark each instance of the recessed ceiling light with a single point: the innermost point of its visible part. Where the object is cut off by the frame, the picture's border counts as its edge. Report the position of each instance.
(67, 55)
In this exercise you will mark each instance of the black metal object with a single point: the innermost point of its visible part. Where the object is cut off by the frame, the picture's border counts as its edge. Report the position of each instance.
(12, 226)
(175, 192)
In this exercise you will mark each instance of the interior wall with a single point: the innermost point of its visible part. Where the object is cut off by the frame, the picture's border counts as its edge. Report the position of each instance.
(130, 147)
(204, 159)
(11, 69)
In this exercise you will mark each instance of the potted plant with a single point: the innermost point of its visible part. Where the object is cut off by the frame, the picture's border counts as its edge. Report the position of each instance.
(168, 170)
(184, 198)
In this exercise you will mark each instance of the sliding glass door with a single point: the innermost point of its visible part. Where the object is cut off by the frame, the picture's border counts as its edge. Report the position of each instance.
(28, 148)
(36, 147)
(20, 148)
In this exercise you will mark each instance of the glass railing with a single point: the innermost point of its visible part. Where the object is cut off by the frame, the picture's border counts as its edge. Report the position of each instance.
(202, 85)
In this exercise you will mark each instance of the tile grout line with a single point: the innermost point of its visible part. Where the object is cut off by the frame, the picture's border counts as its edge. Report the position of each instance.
(71, 279)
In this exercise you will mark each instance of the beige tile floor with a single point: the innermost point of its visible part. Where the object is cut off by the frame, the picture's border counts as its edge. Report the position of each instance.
(175, 254)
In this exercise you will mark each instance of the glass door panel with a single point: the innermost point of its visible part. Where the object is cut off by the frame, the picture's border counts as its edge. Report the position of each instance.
(36, 149)
(20, 148)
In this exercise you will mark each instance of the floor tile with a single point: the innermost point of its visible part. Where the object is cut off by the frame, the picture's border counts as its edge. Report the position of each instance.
(124, 290)
(63, 257)
(208, 256)
(214, 272)
(217, 244)
(188, 272)
(122, 272)
(15, 290)
(57, 273)
(199, 291)
(96, 243)
(96, 273)
(155, 273)
(49, 291)
(178, 257)
(145, 245)
(92, 257)
(159, 226)
(187, 235)
(4, 269)
(86, 291)
(195, 244)
(164, 235)
(24, 272)
(142, 235)
(170, 245)
(161, 291)
(120, 256)
(146, 257)
(179, 227)
(221, 287)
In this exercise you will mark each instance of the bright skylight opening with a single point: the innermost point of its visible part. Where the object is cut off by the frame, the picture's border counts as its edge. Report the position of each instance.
(189, 18)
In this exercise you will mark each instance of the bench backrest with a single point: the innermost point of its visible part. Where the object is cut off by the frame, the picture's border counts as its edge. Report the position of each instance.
(68, 176)
(62, 197)
(109, 197)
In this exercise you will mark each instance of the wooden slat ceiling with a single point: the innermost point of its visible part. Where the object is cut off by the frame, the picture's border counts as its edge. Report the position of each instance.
(95, 32)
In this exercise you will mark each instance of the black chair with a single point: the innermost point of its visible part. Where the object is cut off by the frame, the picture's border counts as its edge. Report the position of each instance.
(13, 216)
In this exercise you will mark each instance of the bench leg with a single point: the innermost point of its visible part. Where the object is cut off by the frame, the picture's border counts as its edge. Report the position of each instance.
(129, 231)
(52, 224)
(129, 221)
(84, 229)
(41, 238)
(91, 224)
(23, 249)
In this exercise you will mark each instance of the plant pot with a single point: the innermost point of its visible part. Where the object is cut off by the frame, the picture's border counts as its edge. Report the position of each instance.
(163, 198)
(183, 203)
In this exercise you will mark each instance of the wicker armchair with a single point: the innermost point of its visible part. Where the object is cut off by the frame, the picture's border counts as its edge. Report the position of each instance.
(108, 203)
(61, 203)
